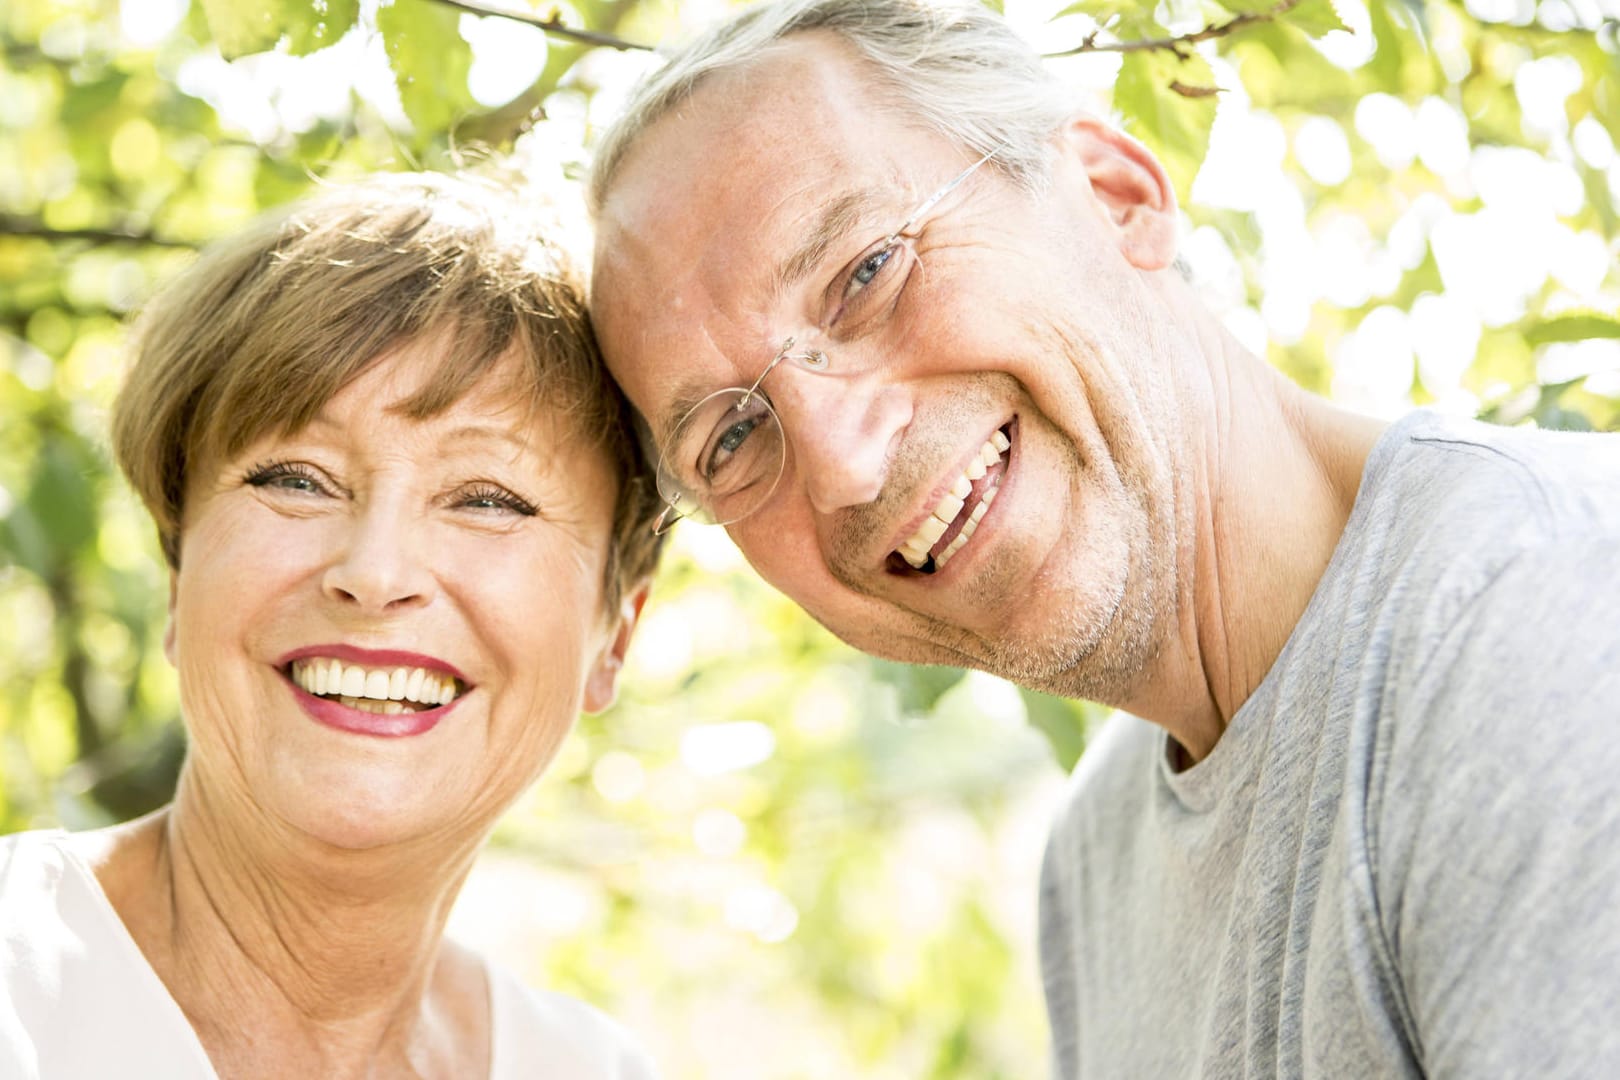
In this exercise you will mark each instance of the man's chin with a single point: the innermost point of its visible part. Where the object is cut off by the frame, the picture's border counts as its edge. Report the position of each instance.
(1068, 656)
(1090, 648)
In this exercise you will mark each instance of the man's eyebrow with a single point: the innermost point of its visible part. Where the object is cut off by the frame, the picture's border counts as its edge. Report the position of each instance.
(689, 393)
(840, 216)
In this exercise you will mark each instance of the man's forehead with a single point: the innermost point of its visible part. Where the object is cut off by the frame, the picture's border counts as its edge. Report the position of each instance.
(804, 102)
(726, 204)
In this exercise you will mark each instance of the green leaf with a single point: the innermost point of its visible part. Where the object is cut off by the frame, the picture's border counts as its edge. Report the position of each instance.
(1315, 17)
(920, 687)
(1596, 184)
(25, 542)
(1385, 63)
(995, 6)
(1558, 418)
(60, 498)
(1128, 20)
(1250, 7)
(430, 61)
(1097, 9)
(315, 25)
(240, 27)
(90, 101)
(1172, 124)
(1062, 721)
(1573, 326)
(1397, 62)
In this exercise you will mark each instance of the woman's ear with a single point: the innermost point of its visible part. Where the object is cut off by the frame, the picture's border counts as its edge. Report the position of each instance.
(602, 684)
(1130, 187)
(170, 645)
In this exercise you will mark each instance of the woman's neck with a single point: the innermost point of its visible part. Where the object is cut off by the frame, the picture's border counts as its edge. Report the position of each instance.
(290, 957)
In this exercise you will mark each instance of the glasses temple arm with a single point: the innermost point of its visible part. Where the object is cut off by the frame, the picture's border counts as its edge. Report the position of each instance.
(933, 200)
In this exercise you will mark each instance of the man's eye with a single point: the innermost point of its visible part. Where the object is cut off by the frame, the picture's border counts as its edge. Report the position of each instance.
(867, 269)
(872, 284)
(728, 440)
(737, 449)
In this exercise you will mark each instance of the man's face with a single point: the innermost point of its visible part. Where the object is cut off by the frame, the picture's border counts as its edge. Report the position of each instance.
(748, 216)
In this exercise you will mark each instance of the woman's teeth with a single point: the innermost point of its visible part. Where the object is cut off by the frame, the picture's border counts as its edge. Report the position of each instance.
(373, 689)
(916, 549)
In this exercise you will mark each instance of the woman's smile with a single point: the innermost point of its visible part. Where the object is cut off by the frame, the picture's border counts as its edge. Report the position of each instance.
(388, 693)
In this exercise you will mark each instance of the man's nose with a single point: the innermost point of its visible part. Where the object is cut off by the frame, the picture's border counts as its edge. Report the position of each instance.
(377, 567)
(842, 432)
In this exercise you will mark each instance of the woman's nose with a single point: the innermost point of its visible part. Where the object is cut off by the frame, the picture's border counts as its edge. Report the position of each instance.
(378, 566)
(843, 432)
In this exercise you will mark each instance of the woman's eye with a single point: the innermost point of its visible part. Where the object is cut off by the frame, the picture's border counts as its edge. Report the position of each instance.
(492, 498)
(292, 476)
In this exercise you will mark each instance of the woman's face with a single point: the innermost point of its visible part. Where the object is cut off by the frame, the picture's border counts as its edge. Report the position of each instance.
(383, 626)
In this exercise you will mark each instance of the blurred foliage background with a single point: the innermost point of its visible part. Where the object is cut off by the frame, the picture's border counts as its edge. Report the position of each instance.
(774, 858)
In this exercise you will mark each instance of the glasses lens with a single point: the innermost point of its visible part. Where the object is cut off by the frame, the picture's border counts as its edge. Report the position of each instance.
(724, 459)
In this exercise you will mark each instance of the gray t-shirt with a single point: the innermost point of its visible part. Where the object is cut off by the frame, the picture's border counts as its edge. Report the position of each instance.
(1402, 858)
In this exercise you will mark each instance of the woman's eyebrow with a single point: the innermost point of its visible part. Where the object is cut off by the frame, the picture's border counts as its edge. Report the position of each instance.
(495, 433)
(840, 216)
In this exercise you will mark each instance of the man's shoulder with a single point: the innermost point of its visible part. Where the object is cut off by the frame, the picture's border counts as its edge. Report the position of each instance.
(1447, 506)
(1491, 820)
(1449, 476)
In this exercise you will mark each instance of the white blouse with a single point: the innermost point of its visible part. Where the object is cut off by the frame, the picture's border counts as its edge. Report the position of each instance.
(78, 1001)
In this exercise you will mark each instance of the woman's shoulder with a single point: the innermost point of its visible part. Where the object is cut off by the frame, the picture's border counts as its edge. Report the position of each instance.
(545, 1033)
(33, 866)
(68, 967)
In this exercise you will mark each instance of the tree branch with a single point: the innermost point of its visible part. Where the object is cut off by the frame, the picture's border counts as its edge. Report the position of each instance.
(552, 24)
(506, 123)
(11, 225)
(1180, 42)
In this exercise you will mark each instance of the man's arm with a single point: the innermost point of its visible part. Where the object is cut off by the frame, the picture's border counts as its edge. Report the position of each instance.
(1495, 826)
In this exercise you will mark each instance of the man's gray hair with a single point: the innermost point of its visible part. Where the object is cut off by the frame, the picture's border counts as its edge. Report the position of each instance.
(951, 66)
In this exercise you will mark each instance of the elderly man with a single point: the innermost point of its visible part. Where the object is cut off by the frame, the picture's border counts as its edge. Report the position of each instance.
(910, 327)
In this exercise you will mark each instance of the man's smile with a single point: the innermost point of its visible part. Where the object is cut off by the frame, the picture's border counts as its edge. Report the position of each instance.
(956, 516)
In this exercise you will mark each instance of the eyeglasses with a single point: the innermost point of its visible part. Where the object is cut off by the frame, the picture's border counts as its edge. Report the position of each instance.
(724, 458)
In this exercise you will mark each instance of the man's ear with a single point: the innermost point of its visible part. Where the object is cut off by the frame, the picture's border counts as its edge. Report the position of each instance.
(1130, 187)
(602, 684)
(171, 648)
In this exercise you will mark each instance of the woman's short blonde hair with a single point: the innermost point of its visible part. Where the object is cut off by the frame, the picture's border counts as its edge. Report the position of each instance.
(269, 324)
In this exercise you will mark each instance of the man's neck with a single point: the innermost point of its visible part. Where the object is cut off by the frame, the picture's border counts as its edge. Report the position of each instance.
(287, 965)
(1257, 524)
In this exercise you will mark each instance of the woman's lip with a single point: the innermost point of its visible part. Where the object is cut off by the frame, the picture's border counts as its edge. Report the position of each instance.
(375, 658)
(335, 714)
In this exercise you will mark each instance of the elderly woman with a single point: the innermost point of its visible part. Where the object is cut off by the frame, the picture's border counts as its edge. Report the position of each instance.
(408, 540)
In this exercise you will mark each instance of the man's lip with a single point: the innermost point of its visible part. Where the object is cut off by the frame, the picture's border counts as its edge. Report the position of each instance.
(374, 658)
(944, 483)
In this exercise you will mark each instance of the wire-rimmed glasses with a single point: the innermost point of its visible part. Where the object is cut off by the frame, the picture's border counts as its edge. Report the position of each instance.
(724, 457)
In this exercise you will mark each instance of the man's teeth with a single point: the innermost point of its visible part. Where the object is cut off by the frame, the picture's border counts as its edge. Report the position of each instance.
(915, 549)
(373, 689)
(967, 530)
